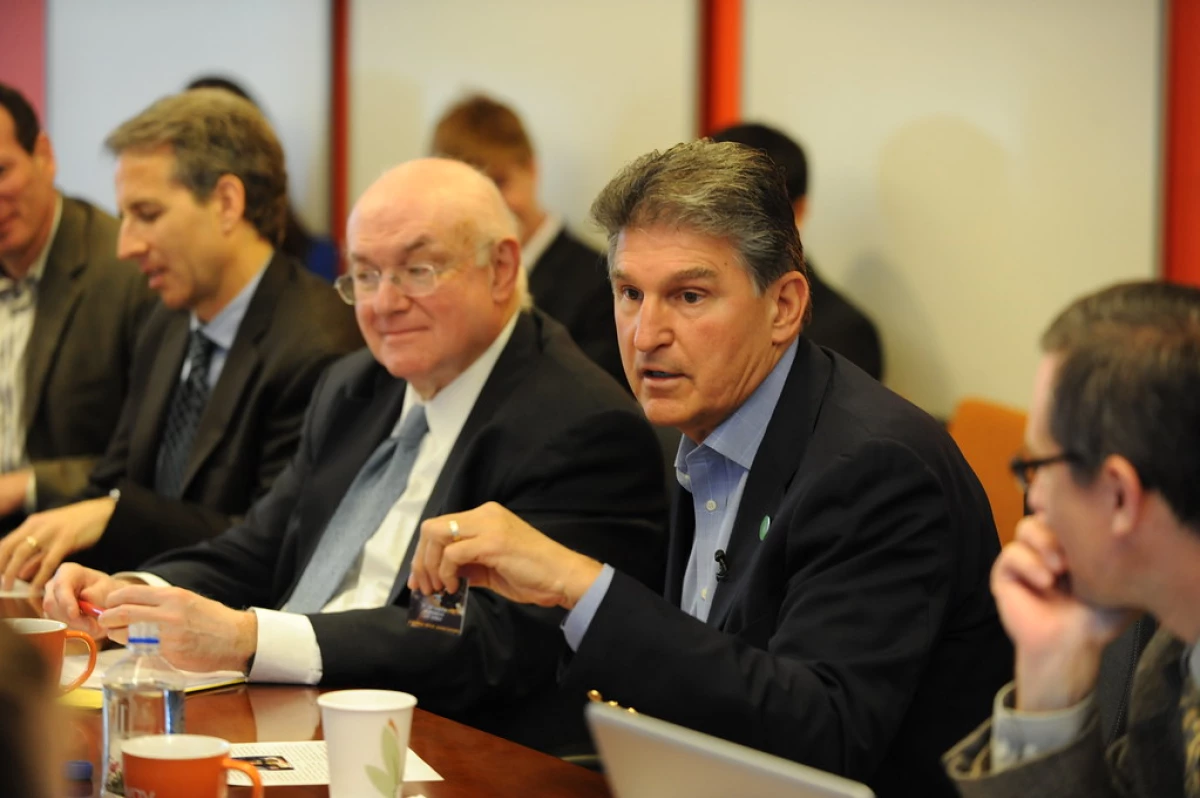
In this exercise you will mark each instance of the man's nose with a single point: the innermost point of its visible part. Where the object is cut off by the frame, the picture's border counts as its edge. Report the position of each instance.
(389, 297)
(129, 245)
(652, 328)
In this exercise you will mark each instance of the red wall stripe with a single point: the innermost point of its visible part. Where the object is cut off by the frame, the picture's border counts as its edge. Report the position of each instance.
(23, 50)
(1181, 178)
(339, 106)
(720, 64)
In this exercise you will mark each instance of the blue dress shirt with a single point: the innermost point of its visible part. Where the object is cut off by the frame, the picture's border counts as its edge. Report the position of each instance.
(714, 473)
(223, 327)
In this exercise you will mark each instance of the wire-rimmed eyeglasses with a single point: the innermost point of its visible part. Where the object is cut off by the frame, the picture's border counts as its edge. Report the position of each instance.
(417, 280)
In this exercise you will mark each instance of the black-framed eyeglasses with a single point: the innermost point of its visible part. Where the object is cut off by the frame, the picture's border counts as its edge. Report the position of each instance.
(1025, 469)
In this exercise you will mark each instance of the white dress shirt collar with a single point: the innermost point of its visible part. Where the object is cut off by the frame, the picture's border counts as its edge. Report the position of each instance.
(447, 411)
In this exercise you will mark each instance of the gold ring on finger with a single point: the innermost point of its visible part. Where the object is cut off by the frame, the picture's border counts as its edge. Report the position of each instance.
(32, 543)
(454, 533)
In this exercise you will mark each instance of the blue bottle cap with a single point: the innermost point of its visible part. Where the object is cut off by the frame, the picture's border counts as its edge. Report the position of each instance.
(79, 770)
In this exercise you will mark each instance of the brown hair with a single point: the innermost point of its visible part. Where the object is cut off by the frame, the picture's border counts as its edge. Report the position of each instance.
(482, 132)
(723, 190)
(1128, 384)
(213, 132)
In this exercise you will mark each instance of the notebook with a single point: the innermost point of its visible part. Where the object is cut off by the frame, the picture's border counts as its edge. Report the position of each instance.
(90, 695)
(649, 758)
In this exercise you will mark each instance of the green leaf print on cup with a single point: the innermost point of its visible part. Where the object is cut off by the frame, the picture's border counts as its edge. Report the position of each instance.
(387, 781)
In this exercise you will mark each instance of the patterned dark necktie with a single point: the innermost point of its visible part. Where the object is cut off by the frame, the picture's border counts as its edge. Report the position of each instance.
(1189, 711)
(187, 405)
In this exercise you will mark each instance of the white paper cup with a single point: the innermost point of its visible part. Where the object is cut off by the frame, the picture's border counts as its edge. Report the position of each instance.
(366, 732)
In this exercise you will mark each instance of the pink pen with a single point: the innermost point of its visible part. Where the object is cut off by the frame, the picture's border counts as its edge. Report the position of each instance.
(89, 608)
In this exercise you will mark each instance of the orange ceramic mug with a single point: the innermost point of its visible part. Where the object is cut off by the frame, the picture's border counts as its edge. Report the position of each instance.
(181, 766)
(50, 638)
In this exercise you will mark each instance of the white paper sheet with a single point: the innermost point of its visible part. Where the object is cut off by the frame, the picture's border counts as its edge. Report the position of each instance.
(19, 590)
(311, 764)
(73, 666)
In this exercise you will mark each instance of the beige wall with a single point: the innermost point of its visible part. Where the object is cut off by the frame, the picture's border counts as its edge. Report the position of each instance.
(596, 83)
(975, 165)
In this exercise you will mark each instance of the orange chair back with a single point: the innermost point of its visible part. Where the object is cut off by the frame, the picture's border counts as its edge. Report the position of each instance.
(989, 435)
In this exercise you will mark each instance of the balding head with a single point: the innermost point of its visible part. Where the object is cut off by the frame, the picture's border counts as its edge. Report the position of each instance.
(450, 192)
(441, 232)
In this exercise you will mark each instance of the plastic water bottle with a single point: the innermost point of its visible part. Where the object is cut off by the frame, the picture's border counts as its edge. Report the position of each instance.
(143, 694)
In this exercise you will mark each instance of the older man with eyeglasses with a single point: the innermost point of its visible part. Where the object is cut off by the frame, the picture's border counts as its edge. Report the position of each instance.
(463, 398)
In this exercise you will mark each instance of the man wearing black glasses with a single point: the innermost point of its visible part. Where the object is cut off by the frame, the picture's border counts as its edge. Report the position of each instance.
(1111, 473)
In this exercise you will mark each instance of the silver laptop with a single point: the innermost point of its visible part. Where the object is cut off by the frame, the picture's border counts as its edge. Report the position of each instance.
(649, 758)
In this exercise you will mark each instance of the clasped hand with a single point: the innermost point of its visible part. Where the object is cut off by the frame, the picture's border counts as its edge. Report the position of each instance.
(1059, 636)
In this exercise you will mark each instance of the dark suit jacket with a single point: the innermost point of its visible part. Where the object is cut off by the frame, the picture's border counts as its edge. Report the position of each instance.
(90, 307)
(570, 282)
(858, 635)
(550, 437)
(1147, 762)
(839, 325)
(294, 326)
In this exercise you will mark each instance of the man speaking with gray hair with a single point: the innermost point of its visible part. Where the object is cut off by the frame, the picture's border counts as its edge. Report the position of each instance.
(827, 580)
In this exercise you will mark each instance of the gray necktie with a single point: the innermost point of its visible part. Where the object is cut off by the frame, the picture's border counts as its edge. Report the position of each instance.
(380, 482)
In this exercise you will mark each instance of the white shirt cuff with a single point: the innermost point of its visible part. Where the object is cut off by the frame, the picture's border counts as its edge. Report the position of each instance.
(1020, 736)
(287, 652)
(146, 577)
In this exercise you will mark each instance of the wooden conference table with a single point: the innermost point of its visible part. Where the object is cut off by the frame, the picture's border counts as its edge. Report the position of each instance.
(473, 763)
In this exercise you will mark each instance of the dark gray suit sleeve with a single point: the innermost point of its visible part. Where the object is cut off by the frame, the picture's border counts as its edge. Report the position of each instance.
(867, 577)
(65, 479)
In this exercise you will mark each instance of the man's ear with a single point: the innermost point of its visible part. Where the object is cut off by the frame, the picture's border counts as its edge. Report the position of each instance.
(229, 196)
(43, 155)
(789, 295)
(1124, 488)
(506, 269)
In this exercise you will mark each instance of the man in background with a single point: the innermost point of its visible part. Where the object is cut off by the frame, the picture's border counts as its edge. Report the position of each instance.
(1111, 469)
(225, 366)
(836, 322)
(70, 312)
(567, 278)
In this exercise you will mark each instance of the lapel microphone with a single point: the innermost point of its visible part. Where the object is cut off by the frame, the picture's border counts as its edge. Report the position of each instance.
(722, 565)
